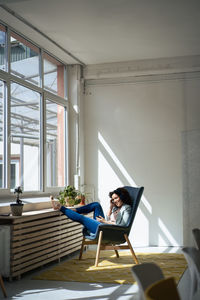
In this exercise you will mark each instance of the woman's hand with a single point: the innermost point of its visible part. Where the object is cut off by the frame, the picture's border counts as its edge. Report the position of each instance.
(100, 219)
(111, 204)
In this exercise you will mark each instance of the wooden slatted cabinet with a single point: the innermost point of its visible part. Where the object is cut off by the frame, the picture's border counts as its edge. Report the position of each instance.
(38, 238)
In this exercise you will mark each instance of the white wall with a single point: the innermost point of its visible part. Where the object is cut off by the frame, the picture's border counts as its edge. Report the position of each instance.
(191, 160)
(133, 136)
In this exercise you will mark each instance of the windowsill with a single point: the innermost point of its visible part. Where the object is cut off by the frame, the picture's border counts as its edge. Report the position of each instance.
(30, 204)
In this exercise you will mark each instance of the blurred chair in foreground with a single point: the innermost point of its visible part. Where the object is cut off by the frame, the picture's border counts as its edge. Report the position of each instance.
(145, 275)
(184, 284)
(192, 256)
(164, 289)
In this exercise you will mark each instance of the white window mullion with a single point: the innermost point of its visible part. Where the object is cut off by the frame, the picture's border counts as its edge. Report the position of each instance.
(66, 140)
(7, 135)
(42, 143)
(7, 54)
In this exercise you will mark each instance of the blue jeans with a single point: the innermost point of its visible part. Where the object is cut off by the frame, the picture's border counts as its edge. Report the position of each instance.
(90, 224)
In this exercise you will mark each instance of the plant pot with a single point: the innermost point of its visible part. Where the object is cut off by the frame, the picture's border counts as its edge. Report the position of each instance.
(16, 209)
(82, 200)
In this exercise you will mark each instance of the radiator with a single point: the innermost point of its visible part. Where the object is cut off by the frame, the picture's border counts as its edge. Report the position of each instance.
(5, 250)
(35, 239)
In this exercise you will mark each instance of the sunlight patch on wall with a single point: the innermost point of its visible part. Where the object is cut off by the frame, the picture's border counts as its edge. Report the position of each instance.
(107, 175)
(116, 160)
(107, 178)
(166, 239)
(140, 230)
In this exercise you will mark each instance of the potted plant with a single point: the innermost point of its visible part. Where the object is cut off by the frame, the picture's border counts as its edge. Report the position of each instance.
(17, 208)
(68, 196)
(81, 198)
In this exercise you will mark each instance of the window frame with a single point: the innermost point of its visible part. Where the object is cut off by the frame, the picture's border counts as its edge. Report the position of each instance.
(7, 77)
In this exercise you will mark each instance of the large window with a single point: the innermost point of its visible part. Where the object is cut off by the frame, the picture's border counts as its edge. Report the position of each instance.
(55, 150)
(33, 114)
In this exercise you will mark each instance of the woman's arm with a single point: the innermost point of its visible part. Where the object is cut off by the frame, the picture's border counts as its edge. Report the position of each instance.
(109, 212)
(102, 220)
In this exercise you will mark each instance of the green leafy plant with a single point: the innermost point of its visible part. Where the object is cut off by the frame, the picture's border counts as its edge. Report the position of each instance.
(68, 196)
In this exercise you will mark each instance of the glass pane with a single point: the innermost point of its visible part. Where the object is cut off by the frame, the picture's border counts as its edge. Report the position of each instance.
(53, 75)
(25, 137)
(55, 144)
(24, 59)
(2, 47)
(1, 133)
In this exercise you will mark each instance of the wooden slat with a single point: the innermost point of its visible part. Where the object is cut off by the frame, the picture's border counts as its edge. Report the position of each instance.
(24, 252)
(26, 218)
(50, 224)
(38, 238)
(42, 232)
(45, 261)
(41, 259)
(40, 221)
(31, 257)
(17, 246)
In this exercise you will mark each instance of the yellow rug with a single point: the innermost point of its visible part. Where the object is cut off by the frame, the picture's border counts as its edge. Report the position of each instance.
(112, 269)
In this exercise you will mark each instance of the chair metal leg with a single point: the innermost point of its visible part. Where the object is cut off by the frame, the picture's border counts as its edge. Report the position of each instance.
(98, 248)
(3, 287)
(131, 249)
(82, 248)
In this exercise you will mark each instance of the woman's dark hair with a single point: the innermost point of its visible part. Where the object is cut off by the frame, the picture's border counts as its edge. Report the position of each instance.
(123, 195)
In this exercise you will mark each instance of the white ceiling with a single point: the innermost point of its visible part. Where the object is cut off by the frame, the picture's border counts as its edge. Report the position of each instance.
(102, 31)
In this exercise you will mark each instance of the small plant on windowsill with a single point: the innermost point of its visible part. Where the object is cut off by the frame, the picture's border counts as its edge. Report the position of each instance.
(17, 208)
(18, 191)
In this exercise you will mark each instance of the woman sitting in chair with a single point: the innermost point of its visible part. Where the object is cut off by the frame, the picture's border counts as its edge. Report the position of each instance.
(119, 211)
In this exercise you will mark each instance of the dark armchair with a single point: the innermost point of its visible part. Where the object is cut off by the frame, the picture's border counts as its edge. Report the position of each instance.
(109, 236)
